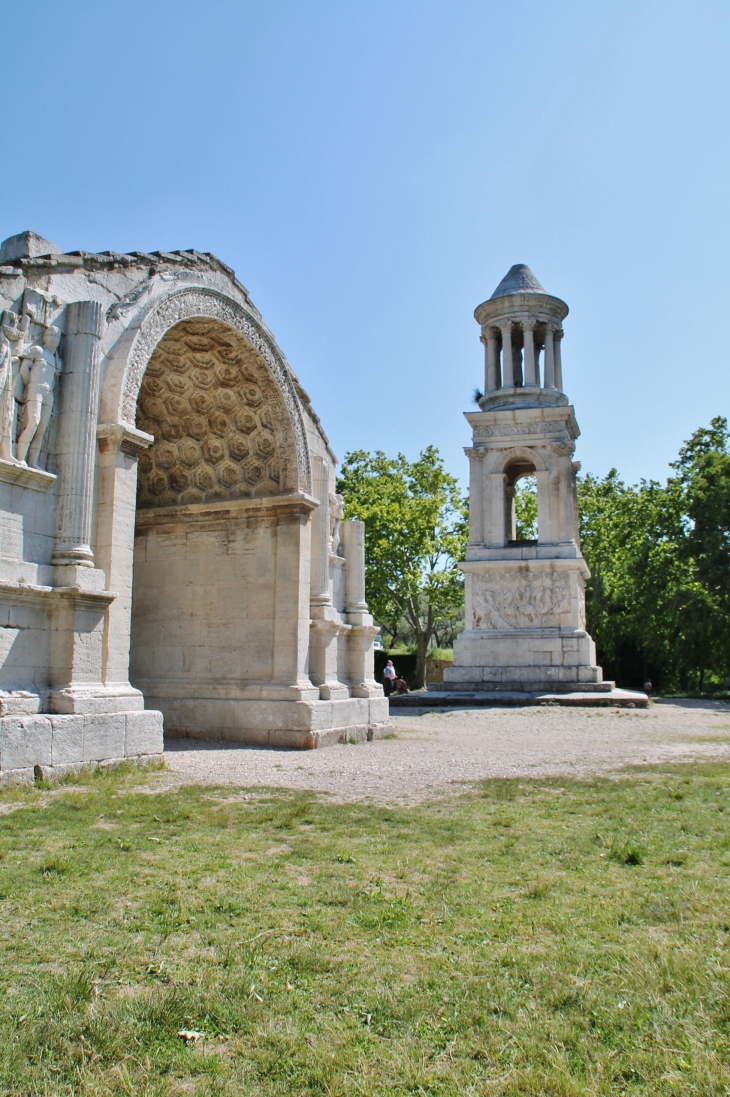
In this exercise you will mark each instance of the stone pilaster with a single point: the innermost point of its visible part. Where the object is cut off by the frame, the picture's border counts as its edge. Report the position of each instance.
(319, 583)
(76, 444)
(119, 449)
(353, 543)
(360, 655)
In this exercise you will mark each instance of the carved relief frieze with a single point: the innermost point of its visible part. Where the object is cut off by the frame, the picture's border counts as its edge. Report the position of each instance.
(510, 601)
(187, 304)
(220, 425)
(508, 430)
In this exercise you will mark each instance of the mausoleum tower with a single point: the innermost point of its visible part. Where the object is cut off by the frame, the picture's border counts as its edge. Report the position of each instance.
(525, 599)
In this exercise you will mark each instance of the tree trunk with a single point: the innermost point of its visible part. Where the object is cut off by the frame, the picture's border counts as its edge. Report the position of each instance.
(422, 639)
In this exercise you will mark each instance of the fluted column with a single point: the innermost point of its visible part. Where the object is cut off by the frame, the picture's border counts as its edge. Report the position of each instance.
(76, 445)
(491, 361)
(319, 583)
(558, 361)
(548, 380)
(353, 543)
(531, 372)
(508, 369)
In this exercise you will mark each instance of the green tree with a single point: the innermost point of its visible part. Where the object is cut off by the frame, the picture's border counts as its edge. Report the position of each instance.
(415, 533)
(660, 562)
(526, 508)
(703, 482)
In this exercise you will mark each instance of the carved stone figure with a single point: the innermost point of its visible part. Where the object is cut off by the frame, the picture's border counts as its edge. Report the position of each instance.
(337, 513)
(13, 343)
(39, 368)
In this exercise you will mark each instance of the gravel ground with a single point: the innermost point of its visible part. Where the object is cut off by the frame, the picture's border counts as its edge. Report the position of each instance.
(438, 753)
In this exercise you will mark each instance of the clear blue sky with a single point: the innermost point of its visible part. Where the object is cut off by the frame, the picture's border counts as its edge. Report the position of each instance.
(372, 169)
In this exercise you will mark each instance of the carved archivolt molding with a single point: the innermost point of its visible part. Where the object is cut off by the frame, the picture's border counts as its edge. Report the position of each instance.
(499, 460)
(201, 303)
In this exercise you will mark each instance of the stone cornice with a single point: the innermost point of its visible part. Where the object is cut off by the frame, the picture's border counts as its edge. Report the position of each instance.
(25, 593)
(266, 506)
(25, 477)
(123, 437)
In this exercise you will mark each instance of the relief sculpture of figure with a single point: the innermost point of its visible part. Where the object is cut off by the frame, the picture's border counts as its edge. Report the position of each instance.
(337, 513)
(13, 341)
(39, 369)
(538, 602)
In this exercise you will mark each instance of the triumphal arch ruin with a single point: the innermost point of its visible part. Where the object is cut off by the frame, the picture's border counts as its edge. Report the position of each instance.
(172, 545)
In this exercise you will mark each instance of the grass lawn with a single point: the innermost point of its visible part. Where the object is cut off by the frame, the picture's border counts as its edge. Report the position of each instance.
(546, 937)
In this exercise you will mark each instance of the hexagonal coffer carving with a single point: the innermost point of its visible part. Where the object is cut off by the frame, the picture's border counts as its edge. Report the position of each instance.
(252, 471)
(189, 453)
(213, 451)
(237, 447)
(212, 407)
(227, 474)
(244, 421)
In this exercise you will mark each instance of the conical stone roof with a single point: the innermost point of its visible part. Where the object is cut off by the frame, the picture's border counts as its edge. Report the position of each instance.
(518, 279)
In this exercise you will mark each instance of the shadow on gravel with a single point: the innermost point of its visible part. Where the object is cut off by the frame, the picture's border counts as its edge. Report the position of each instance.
(189, 745)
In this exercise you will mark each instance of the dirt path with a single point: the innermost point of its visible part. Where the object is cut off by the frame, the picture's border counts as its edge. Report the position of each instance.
(439, 751)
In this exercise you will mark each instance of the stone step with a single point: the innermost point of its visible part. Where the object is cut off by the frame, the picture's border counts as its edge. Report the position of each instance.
(612, 698)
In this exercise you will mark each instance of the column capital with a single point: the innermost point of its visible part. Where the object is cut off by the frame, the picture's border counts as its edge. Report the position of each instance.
(118, 437)
(558, 333)
(528, 325)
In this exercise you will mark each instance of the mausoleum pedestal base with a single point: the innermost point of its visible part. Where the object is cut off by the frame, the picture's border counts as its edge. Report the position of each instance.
(608, 697)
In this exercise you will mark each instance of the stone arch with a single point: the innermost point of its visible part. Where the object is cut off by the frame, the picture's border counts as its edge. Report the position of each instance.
(129, 361)
(500, 460)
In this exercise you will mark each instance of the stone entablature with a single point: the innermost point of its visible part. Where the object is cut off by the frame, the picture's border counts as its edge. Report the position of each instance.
(157, 496)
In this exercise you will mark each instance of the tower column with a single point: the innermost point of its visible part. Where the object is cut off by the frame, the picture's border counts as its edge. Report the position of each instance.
(508, 369)
(531, 377)
(558, 361)
(491, 361)
(549, 367)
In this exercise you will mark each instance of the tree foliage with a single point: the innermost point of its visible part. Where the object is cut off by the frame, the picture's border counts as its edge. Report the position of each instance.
(658, 601)
(415, 533)
(526, 508)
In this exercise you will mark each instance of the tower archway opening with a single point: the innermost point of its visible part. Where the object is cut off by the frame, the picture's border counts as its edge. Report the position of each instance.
(521, 503)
